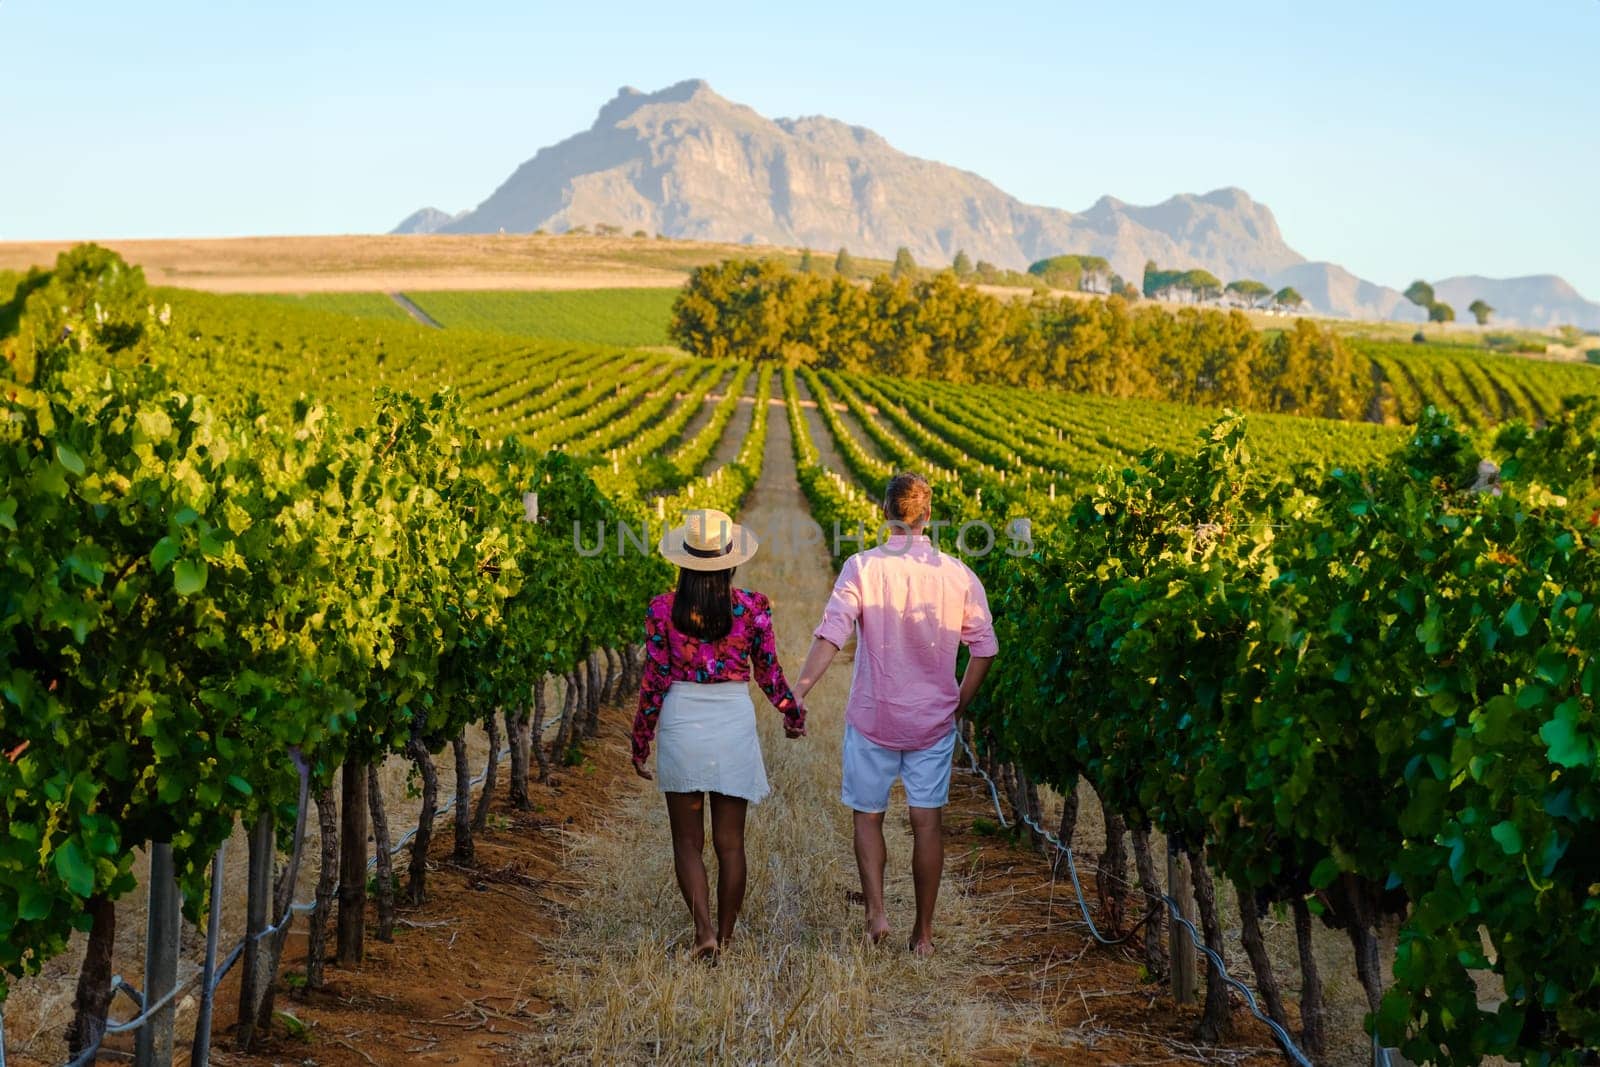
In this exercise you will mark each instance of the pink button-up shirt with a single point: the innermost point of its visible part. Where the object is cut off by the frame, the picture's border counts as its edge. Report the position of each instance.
(912, 607)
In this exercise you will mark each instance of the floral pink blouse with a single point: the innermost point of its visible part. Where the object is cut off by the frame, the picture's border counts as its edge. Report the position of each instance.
(674, 656)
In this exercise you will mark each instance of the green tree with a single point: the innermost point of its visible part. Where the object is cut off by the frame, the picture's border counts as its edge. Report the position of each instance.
(1250, 291)
(962, 265)
(904, 265)
(1441, 312)
(1058, 272)
(747, 309)
(1088, 273)
(843, 265)
(1480, 311)
(1194, 284)
(1287, 297)
(807, 266)
(1152, 276)
(1201, 284)
(1097, 274)
(1420, 293)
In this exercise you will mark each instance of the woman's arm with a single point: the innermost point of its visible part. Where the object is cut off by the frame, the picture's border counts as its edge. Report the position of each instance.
(653, 685)
(768, 673)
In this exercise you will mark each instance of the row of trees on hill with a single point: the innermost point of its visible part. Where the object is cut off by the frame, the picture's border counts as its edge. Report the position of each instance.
(905, 266)
(940, 328)
(1203, 287)
(1421, 294)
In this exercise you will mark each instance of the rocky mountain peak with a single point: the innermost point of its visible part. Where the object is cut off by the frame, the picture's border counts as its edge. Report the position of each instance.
(686, 162)
(629, 100)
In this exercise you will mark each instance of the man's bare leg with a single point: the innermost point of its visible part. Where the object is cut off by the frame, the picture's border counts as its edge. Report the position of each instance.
(927, 866)
(686, 812)
(727, 837)
(872, 856)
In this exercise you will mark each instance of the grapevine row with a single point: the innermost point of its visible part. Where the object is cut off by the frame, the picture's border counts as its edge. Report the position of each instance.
(199, 594)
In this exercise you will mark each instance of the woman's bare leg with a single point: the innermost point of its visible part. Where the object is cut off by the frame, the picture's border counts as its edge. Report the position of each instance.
(686, 812)
(727, 837)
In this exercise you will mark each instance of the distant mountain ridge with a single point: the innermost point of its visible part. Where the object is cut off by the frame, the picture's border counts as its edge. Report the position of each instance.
(1536, 300)
(427, 220)
(689, 163)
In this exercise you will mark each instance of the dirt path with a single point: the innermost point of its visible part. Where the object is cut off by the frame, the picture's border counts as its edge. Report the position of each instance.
(410, 307)
(738, 427)
(708, 406)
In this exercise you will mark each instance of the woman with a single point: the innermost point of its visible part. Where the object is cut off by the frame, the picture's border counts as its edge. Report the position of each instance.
(703, 643)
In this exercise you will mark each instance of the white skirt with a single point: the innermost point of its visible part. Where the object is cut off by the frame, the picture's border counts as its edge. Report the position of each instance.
(706, 741)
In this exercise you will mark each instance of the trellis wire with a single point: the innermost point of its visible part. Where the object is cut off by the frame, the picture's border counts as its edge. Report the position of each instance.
(113, 1027)
(1286, 1042)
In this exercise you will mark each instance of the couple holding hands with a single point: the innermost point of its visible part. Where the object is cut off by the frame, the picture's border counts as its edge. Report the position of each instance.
(911, 608)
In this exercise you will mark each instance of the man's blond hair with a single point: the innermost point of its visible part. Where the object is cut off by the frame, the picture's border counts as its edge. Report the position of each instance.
(908, 499)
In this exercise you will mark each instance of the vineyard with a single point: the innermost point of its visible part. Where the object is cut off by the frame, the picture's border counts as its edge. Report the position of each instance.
(357, 305)
(256, 546)
(1476, 387)
(201, 599)
(598, 316)
(1195, 638)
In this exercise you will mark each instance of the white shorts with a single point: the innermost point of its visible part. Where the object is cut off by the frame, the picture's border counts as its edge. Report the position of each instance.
(870, 769)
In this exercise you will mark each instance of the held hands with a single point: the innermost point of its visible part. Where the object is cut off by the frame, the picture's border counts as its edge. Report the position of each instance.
(639, 769)
(794, 728)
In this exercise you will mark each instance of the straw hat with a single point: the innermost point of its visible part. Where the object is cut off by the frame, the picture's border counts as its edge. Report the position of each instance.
(708, 540)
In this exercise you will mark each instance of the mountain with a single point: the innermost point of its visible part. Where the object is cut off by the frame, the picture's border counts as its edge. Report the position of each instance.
(1540, 300)
(685, 162)
(1223, 231)
(427, 220)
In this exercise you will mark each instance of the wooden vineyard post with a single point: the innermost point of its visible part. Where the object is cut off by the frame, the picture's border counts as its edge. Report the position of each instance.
(153, 1043)
(352, 863)
(200, 1052)
(258, 900)
(1185, 988)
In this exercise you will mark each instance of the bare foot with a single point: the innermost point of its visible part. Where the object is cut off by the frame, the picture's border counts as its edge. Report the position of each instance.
(921, 946)
(704, 949)
(877, 929)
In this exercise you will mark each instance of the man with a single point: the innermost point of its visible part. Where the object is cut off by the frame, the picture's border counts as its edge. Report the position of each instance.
(911, 606)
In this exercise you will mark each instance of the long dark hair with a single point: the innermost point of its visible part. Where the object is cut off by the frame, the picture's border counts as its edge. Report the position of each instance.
(703, 606)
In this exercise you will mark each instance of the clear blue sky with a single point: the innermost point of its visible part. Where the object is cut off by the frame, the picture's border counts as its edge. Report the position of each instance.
(1399, 139)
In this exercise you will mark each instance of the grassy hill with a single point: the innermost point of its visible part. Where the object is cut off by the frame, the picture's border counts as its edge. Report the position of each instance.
(420, 262)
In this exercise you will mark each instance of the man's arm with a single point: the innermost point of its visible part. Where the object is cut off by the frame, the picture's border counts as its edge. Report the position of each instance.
(838, 623)
(817, 661)
(977, 633)
(971, 679)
